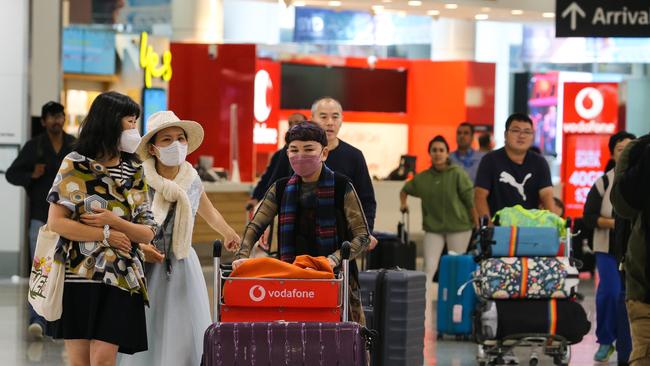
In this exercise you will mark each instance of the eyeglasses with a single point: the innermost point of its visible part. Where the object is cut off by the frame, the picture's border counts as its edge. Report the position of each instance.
(516, 131)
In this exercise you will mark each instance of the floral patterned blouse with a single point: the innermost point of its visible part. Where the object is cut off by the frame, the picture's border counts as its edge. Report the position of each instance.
(82, 185)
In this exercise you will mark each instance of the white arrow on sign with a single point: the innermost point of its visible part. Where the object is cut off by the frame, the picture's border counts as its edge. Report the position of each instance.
(574, 10)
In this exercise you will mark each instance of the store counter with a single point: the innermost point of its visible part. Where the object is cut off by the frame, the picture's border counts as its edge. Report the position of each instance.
(230, 199)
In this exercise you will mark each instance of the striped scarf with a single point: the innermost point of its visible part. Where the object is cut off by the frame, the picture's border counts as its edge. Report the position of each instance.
(326, 238)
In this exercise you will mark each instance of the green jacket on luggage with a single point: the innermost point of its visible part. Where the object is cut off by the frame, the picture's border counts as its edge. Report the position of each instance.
(626, 199)
(447, 197)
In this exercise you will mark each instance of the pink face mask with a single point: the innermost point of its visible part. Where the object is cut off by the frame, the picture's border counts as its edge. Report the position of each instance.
(305, 165)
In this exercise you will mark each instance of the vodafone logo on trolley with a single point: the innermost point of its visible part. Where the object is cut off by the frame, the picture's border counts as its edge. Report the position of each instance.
(258, 293)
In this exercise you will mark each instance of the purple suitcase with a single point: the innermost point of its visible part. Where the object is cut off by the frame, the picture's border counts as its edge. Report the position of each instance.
(283, 343)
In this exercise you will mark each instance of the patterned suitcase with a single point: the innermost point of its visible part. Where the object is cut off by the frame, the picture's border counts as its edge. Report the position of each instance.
(526, 278)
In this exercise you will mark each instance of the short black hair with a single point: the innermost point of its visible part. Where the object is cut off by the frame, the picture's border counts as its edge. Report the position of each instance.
(51, 108)
(100, 132)
(438, 138)
(618, 137)
(484, 140)
(520, 117)
(306, 131)
(466, 124)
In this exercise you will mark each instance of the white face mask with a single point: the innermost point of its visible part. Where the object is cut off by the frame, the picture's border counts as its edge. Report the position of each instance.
(130, 140)
(172, 155)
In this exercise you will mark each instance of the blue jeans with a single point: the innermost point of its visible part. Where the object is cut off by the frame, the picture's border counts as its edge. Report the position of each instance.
(611, 315)
(34, 225)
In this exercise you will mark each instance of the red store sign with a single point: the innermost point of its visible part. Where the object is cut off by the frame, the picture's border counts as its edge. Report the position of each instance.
(590, 115)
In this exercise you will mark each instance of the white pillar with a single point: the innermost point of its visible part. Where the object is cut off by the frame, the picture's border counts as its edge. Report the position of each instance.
(45, 65)
(198, 21)
(453, 39)
(14, 38)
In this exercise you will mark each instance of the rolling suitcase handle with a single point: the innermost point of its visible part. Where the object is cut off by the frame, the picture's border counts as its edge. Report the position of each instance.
(345, 264)
(216, 257)
(404, 227)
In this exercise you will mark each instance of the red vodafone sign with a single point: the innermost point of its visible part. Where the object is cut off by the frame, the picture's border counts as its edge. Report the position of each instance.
(590, 117)
(584, 162)
(590, 108)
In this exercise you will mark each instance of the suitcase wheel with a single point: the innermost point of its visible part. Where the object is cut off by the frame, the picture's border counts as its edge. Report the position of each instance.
(439, 336)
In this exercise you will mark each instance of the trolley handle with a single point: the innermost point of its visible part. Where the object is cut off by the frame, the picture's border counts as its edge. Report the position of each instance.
(216, 254)
(345, 263)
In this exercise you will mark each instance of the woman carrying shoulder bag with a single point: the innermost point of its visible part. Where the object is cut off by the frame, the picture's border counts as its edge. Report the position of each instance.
(180, 307)
(100, 208)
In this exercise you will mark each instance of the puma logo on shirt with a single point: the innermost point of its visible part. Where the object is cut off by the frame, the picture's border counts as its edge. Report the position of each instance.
(506, 177)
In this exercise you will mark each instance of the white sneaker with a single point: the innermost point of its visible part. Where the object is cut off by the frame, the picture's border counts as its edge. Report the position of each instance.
(35, 331)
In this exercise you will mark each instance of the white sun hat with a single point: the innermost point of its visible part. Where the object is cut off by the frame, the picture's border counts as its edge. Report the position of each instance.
(165, 119)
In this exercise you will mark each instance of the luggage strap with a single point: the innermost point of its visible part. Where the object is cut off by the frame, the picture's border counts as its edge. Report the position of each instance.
(552, 316)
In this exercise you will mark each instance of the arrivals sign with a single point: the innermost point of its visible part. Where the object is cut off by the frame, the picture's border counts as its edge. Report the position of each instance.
(602, 18)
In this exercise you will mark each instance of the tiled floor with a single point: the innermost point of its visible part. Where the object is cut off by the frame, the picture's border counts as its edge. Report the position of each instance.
(16, 349)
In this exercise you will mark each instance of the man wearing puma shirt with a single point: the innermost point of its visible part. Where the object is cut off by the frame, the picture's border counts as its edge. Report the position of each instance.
(512, 175)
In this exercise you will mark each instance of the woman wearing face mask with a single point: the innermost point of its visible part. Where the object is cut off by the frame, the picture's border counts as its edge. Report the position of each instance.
(100, 207)
(447, 198)
(180, 309)
(318, 210)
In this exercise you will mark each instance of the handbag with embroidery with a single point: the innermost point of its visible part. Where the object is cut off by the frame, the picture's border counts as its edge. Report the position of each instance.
(47, 277)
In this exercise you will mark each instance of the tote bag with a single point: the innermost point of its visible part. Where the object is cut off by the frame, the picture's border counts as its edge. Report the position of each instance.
(47, 277)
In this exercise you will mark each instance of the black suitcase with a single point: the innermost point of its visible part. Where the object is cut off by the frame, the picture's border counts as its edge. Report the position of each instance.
(394, 304)
(393, 250)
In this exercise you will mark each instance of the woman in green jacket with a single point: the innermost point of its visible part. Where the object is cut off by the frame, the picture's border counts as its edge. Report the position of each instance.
(448, 213)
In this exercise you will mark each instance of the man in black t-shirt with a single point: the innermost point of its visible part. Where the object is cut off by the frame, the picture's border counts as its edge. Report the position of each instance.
(512, 175)
(344, 158)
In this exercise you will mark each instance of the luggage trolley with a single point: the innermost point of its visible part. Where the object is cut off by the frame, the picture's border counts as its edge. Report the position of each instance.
(283, 321)
(493, 351)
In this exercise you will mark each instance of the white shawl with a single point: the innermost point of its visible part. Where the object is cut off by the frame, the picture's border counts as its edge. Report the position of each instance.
(167, 192)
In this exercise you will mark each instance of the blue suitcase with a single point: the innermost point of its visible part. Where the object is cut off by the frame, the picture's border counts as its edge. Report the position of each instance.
(525, 242)
(454, 313)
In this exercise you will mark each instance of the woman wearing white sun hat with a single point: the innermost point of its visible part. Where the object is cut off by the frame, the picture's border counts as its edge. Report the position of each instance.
(180, 310)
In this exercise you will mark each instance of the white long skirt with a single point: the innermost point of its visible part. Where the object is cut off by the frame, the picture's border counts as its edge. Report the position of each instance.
(178, 316)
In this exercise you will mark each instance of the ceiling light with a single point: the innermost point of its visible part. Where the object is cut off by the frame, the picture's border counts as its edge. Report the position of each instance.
(387, 1)
(433, 12)
(415, 3)
(481, 17)
(377, 8)
(299, 3)
(516, 12)
(485, 9)
(334, 3)
(401, 13)
(548, 15)
(451, 6)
